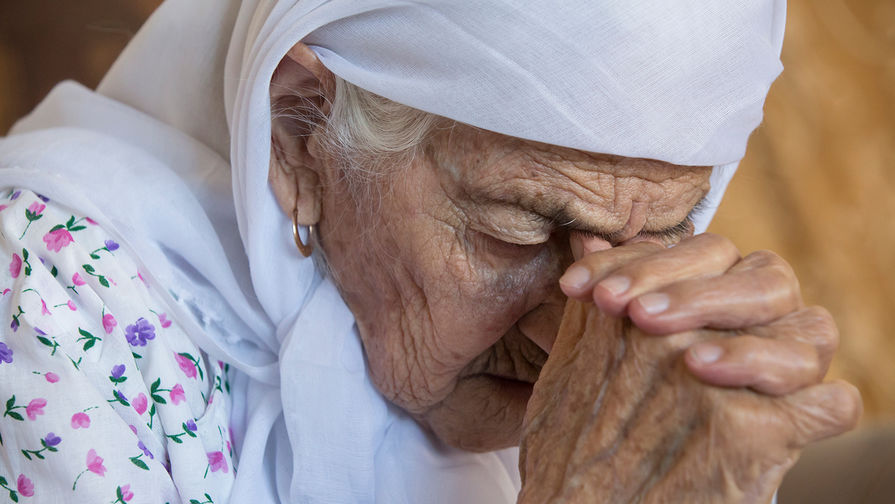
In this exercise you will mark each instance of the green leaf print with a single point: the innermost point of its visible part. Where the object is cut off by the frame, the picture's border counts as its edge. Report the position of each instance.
(88, 339)
(92, 272)
(10, 410)
(139, 463)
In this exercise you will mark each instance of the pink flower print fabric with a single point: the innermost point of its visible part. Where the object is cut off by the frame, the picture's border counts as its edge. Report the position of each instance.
(103, 396)
(57, 239)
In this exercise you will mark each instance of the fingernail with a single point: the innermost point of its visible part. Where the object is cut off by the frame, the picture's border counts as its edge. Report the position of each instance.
(575, 277)
(616, 284)
(706, 354)
(654, 302)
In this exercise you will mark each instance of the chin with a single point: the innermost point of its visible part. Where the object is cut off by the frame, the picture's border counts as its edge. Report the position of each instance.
(483, 413)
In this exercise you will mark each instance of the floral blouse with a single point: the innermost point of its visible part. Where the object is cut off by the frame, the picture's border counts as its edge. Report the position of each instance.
(104, 398)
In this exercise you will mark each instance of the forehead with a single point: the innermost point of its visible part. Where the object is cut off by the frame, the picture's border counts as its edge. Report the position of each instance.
(490, 169)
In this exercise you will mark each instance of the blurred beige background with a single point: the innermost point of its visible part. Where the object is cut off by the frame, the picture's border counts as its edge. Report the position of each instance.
(818, 182)
(816, 185)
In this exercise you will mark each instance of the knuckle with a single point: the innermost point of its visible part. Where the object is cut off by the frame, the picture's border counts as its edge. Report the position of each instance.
(769, 261)
(775, 277)
(762, 258)
(722, 246)
(772, 384)
(810, 370)
(772, 262)
(823, 328)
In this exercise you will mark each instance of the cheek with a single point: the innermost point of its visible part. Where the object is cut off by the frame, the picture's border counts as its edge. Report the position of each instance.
(484, 296)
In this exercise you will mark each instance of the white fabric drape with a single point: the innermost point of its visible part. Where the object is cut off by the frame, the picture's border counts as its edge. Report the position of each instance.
(172, 152)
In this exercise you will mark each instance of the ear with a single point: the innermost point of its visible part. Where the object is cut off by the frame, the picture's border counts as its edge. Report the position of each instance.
(300, 92)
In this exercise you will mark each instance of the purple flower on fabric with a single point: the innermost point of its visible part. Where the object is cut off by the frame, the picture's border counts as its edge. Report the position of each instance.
(15, 195)
(111, 246)
(140, 332)
(146, 451)
(43, 198)
(38, 331)
(52, 439)
(120, 396)
(191, 425)
(117, 371)
(5, 353)
(14, 325)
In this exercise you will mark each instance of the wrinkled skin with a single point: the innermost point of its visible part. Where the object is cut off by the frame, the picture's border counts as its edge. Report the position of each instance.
(617, 417)
(453, 276)
(458, 282)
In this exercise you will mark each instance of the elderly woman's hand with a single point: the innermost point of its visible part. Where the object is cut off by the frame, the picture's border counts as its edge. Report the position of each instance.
(703, 282)
(616, 417)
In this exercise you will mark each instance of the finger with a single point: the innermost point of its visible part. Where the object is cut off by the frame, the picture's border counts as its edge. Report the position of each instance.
(824, 411)
(578, 281)
(583, 244)
(705, 255)
(813, 326)
(758, 290)
(768, 366)
(776, 359)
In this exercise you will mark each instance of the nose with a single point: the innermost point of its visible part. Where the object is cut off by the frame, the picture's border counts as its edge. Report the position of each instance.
(541, 324)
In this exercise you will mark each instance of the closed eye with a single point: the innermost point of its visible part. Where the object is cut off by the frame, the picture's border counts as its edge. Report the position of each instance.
(667, 236)
(673, 234)
(497, 247)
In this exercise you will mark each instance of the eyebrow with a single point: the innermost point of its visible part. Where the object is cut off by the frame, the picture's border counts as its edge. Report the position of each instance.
(560, 217)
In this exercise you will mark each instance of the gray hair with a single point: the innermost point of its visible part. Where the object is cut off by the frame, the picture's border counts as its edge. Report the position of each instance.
(368, 136)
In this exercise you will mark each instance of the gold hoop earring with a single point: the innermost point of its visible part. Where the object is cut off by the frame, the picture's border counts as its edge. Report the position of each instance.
(305, 249)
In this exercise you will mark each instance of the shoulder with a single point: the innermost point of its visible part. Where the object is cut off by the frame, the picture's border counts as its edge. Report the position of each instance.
(89, 354)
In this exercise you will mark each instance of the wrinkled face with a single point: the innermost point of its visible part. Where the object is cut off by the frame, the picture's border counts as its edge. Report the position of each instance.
(453, 279)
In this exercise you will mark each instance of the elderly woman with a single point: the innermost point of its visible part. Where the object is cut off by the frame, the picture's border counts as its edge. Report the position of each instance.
(319, 251)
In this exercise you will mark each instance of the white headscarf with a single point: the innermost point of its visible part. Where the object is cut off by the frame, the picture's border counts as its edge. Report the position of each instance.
(172, 154)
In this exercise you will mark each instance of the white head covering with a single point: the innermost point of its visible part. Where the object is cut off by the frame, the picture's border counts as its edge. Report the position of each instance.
(184, 116)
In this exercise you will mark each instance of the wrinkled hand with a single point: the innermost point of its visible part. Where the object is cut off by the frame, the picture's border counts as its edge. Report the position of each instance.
(779, 346)
(616, 417)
